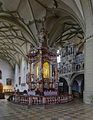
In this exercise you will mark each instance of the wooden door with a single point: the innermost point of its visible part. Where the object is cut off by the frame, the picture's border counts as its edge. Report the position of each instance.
(1, 88)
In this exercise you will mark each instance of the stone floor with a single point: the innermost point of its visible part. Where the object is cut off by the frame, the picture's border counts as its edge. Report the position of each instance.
(75, 110)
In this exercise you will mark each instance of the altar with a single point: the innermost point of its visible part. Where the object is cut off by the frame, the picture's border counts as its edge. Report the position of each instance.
(43, 73)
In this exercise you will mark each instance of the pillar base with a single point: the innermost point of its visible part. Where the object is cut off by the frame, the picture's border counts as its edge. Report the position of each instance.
(88, 97)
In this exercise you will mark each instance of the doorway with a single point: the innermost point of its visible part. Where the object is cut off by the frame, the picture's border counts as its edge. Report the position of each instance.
(78, 86)
(62, 86)
(1, 88)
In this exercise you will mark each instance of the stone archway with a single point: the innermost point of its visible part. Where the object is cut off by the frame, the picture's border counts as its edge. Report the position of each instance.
(63, 86)
(77, 85)
(75, 88)
(1, 87)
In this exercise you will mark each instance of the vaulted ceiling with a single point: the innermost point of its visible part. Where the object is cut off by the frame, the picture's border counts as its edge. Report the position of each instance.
(22, 20)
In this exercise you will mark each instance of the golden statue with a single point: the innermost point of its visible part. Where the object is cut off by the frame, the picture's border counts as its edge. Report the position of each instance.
(46, 70)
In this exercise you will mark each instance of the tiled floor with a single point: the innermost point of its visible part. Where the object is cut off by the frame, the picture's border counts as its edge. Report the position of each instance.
(75, 110)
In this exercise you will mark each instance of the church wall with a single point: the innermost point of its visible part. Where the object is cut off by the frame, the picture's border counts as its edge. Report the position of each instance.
(20, 76)
(7, 73)
(72, 62)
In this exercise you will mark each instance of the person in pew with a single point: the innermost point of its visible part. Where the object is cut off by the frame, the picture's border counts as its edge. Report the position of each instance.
(31, 92)
(10, 98)
(25, 92)
(37, 92)
(16, 92)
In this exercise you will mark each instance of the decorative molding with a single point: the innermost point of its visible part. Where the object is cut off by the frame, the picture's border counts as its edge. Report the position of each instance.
(88, 37)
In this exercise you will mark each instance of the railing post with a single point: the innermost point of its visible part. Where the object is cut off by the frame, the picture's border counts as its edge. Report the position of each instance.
(44, 101)
(29, 100)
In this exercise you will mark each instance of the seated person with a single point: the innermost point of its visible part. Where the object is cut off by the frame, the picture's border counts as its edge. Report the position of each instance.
(25, 92)
(37, 92)
(10, 98)
(31, 92)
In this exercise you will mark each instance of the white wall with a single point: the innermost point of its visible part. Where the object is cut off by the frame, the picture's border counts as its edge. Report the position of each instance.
(21, 73)
(7, 72)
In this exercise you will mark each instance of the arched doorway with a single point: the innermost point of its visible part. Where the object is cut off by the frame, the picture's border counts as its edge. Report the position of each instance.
(1, 88)
(75, 89)
(62, 86)
(78, 85)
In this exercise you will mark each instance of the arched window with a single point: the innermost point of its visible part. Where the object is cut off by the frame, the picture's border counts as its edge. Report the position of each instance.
(0, 74)
(8, 81)
(64, 70)
(77, 67)
(19, 80)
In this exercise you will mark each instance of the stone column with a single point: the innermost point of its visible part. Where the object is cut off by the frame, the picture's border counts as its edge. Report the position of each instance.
(16, 76)
(88, 30)
(40, 66)
(70, 91)
(88, 91)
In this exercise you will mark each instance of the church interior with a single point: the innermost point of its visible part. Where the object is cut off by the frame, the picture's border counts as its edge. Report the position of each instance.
(46, 52)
